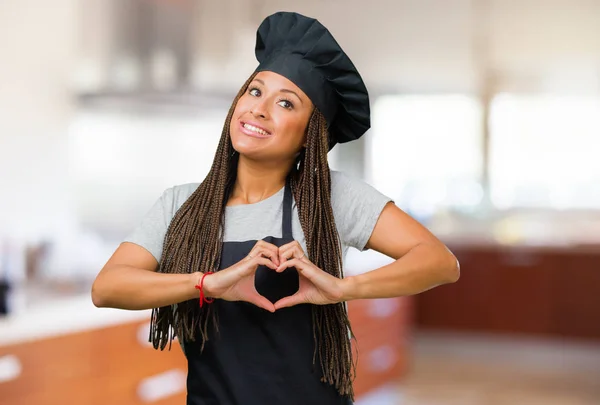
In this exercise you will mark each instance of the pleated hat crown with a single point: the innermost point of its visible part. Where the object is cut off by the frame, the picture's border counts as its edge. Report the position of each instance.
(304, 51)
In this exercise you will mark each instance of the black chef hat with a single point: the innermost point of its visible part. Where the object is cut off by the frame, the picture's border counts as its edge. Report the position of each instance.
(304, 51)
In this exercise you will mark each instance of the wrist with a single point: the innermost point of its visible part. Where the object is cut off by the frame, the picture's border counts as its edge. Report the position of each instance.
(195, 280)
(350, 288)
(207, 285)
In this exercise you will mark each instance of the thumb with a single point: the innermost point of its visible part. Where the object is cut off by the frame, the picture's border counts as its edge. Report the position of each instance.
(289, 301)
(262, 302)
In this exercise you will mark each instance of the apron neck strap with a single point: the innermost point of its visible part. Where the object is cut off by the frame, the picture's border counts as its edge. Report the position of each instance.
(286, 225)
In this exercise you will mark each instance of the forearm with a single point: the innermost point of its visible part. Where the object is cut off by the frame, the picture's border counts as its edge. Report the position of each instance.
(127, 287)
(422, 268)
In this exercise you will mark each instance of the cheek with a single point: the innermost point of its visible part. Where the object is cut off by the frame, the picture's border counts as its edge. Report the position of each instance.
(295, 127)
(237, 112)
(239, 107)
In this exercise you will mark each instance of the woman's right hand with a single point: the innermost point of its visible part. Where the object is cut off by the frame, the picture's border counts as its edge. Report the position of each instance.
(236, 283)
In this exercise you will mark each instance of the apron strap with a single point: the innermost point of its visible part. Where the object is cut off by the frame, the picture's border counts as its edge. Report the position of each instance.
(286, 225)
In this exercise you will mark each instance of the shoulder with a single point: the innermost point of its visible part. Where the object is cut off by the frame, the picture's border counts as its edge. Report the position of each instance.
(341, 179)
(345, 188)
(356, 207)
(174, 197)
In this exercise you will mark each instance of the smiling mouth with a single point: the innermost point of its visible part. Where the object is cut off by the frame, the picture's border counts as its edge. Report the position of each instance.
(255, 131)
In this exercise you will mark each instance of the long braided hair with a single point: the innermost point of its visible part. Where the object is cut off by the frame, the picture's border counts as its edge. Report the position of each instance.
(194, 239)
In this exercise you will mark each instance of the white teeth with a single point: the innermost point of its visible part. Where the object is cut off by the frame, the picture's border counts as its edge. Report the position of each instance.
(255, 129)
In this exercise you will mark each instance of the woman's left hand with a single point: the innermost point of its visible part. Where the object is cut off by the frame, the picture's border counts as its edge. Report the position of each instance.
(316, 286)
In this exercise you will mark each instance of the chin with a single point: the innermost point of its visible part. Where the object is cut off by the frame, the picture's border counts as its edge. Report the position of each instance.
(248, 146)
(250, 151)
(243, 146)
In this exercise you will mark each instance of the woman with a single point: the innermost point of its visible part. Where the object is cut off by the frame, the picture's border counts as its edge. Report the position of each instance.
(246, 267)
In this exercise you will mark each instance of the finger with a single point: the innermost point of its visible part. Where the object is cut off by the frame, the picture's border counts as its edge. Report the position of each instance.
(284, 254)
(265, 262)
(262, 302)
(292, 245)
(269, 250)
(287, 245)
(289, 301)
(293, 251)
(264, 251)
(268, 254)
(263, 244)
(297, 263)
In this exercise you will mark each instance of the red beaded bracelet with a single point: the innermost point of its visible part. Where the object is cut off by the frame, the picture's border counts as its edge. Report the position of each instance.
(203, 299)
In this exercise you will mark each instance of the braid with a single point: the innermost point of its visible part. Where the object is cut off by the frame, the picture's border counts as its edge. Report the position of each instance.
(193, 243)
(194, 240)
(312, 192)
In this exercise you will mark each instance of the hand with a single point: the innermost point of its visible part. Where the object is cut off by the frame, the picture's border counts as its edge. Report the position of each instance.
(236, 283)
(316, 286)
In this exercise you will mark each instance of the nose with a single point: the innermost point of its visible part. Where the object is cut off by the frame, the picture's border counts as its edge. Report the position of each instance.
(260, 109)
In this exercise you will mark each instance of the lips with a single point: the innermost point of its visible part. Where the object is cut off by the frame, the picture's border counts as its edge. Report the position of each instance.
(252, 129)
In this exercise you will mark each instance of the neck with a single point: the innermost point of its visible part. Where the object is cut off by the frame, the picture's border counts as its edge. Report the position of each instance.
(257, 181)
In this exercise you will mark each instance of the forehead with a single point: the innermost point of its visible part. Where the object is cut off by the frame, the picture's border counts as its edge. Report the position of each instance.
(275, 81)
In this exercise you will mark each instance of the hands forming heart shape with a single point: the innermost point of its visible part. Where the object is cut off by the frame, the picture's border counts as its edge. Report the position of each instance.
(237, 283)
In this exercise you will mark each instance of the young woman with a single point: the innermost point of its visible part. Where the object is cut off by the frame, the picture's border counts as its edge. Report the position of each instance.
(245, 269)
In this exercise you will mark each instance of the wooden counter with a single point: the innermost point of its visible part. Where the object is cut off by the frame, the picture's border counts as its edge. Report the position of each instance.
(69, 352)
(115, 365)
(105, 366)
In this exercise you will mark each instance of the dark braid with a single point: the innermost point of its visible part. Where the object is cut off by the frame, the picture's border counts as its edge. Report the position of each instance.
(312, 192)
(195, 235)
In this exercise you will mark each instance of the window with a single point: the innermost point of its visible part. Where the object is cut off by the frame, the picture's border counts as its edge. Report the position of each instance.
(424, 151)
(545, 151)
(121, 163)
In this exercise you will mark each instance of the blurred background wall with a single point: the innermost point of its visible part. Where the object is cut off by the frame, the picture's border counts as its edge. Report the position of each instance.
(486, 128)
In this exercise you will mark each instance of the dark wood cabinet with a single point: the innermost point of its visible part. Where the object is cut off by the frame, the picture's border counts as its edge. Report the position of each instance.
(576, 296)
(529, 290)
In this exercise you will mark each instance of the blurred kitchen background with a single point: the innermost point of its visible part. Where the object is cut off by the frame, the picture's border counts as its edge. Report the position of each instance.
(486, 128)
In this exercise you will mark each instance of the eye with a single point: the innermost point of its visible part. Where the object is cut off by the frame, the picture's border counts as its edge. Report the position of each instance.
(253, 91)
(287, 104)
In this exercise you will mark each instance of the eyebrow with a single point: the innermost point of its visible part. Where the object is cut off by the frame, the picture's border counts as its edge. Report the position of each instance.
(282, 90)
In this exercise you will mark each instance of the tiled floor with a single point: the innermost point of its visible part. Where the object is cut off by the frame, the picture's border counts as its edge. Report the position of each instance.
(466, 369)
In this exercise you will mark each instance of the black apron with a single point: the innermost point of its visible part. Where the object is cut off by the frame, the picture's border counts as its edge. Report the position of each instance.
(258, 357)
